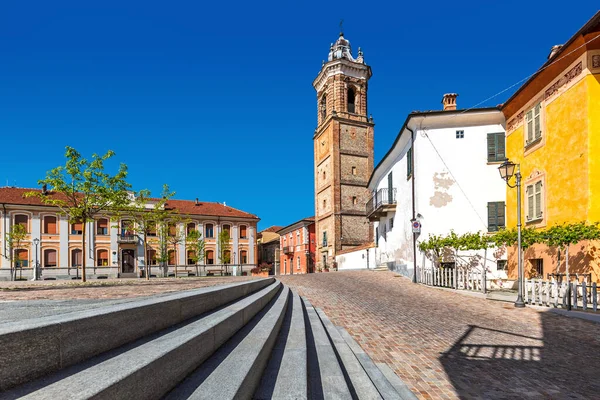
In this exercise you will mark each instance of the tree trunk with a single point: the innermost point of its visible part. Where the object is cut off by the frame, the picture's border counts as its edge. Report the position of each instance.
(146, 261)
(83, 248)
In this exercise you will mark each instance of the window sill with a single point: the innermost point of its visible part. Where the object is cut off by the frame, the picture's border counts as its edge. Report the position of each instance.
(533, 143)
(534, 221)
(496, 162)
(409, 176)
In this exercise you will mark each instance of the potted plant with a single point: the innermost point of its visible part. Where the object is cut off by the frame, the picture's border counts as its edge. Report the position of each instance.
(334, 266)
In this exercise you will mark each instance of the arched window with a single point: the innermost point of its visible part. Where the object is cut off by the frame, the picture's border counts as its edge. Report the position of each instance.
(210, 257)
(191, 227)
(243, 232)
(172, 230)
(151, 257)
(50, 225)
(102, 258)
(209, 231)
(298, 262)
(191, 257)
(243, 257)
(226, 257)
(227, 228)
(76, 258)
(50, 258)
(76, 228)
(126, 227)
(21, 258)
(351, 106)
(102, 227)
(151, 228)
(323, 107)
(285, 266)
(22, 220)
(171, 257)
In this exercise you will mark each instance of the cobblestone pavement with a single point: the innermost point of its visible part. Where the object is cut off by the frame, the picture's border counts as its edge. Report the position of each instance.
(445, 345)
(105, 289)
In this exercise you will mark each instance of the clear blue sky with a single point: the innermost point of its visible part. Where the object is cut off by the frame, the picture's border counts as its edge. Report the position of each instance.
(215, 98)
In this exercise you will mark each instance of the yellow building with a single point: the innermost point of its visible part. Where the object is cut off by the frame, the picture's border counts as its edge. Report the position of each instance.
(553, 132)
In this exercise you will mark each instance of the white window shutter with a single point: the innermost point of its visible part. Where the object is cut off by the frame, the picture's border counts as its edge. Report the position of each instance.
(530, 202)
(538, 199)
(537, 123)
(529, 117)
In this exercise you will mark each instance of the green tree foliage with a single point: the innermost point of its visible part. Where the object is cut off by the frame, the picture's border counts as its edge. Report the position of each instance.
(195, 242)
(81, 189)
(224, 247)
(14, 238)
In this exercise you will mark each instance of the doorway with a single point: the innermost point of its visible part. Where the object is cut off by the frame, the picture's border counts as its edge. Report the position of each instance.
(127, 261)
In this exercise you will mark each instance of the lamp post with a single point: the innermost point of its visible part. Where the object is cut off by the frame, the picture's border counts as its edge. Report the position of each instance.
(507, 170)
(234, 266)
(36, 241)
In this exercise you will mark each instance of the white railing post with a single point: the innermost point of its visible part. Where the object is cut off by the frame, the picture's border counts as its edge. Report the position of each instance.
(584, 297)
(526, 291)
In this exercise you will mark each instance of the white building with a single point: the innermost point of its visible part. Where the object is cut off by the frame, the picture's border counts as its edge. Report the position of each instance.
(441, 171)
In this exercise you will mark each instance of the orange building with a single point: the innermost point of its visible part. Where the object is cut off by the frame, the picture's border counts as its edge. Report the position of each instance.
(297, 247)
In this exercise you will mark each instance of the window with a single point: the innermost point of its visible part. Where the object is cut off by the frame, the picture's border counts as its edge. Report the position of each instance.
(21, 258)
(537, 265)
(324, 238)
(324, 175)
(102, 226)
(22, 220)
(460, 134)
(102, 258)
(354, 200)
(227, 228)
(226, 257)
(353, 170)
(77, 228)
(285, 266)
(243, 232)
(324, 203)
(243, 257)
(501, 265)
(323, 107)
(50, 225)
(209, 231)
(391, 223)
(171, 257)
(496, 215)
(534, 201)
(533, 124)
(151, 257)
(126, 227)
(151, 228)
(191, 257)
(210, 257)
(50, 258)
(191, 227)
(409, 162)
(298, 262)
(76, 258)
(351, 98)
(496, 147)
(172, 230)
(297, 238)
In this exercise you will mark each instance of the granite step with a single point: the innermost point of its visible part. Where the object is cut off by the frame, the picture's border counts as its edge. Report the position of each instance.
(286, 375)
(235, 370)
(152, 366)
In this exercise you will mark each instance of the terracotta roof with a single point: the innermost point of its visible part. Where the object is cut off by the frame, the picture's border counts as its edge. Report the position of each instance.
(11, 195)
(273, 228)
(286, 228)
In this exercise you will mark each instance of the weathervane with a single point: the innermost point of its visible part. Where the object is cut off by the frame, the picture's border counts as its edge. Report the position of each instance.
(341, 27)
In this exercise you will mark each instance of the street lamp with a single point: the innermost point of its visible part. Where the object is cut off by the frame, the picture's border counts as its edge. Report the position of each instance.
(234, 266)
(507, 170)
(36, 241)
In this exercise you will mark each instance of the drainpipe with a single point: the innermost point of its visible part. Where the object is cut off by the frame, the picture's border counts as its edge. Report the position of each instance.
(414, 215)
(4, 228)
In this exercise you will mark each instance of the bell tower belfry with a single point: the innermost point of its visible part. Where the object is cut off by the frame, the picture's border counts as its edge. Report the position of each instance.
(343, 153)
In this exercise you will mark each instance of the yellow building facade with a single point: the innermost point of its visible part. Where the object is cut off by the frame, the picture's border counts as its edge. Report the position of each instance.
(553, 133)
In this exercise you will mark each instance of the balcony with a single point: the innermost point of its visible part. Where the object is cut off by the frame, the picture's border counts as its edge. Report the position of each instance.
(288, 250)
(127, 238)
(382, 202)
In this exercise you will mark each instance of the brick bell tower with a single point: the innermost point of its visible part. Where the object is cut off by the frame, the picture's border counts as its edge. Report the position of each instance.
(343, 153)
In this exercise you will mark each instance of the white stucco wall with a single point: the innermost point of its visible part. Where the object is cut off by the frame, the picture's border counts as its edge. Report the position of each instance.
(359, 259)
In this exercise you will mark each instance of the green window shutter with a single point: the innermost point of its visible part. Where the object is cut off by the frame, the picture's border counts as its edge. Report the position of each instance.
(491, 147)
(530, 202)
(501, 207)
(500, 146)
(529, 118)
(537, 124)
(492, 217)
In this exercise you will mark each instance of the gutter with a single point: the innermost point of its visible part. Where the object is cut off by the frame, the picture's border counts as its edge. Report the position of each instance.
(4, 228)
(414, 215)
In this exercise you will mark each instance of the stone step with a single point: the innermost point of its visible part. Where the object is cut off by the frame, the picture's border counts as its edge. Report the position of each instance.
(151, 366)
(359, 382)
(235, 370)
(326, 379)
(286, 375)
(38, 346)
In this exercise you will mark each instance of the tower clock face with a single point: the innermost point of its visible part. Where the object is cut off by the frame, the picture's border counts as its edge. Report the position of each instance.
(323, 145)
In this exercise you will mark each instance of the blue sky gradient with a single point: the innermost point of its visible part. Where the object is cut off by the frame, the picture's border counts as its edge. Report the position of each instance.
(215, 98)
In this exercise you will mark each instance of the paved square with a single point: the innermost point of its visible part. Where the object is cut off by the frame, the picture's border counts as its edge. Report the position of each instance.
(446, 345)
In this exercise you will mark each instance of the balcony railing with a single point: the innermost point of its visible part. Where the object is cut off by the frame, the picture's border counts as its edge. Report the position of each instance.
(288, 249)
(127, 238)
(382, 201)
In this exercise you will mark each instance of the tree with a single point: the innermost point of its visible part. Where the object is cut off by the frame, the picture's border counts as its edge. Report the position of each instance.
(147, 214)
(196, 244)
(224, 247)
(13, 240)
(81, 189)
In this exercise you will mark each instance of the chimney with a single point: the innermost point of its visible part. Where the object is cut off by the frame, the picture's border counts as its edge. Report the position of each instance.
(197, 202)
(44, 189)
(449, 101)
(554, 49)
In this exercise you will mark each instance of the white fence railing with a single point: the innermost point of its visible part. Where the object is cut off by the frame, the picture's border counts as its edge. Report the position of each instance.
(575, 295)
(460, 278)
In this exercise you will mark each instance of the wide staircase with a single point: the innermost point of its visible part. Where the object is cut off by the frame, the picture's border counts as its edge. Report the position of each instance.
(250, 340)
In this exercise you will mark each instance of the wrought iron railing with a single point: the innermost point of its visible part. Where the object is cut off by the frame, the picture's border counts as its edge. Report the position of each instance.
(381, 197)
(127, 238)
